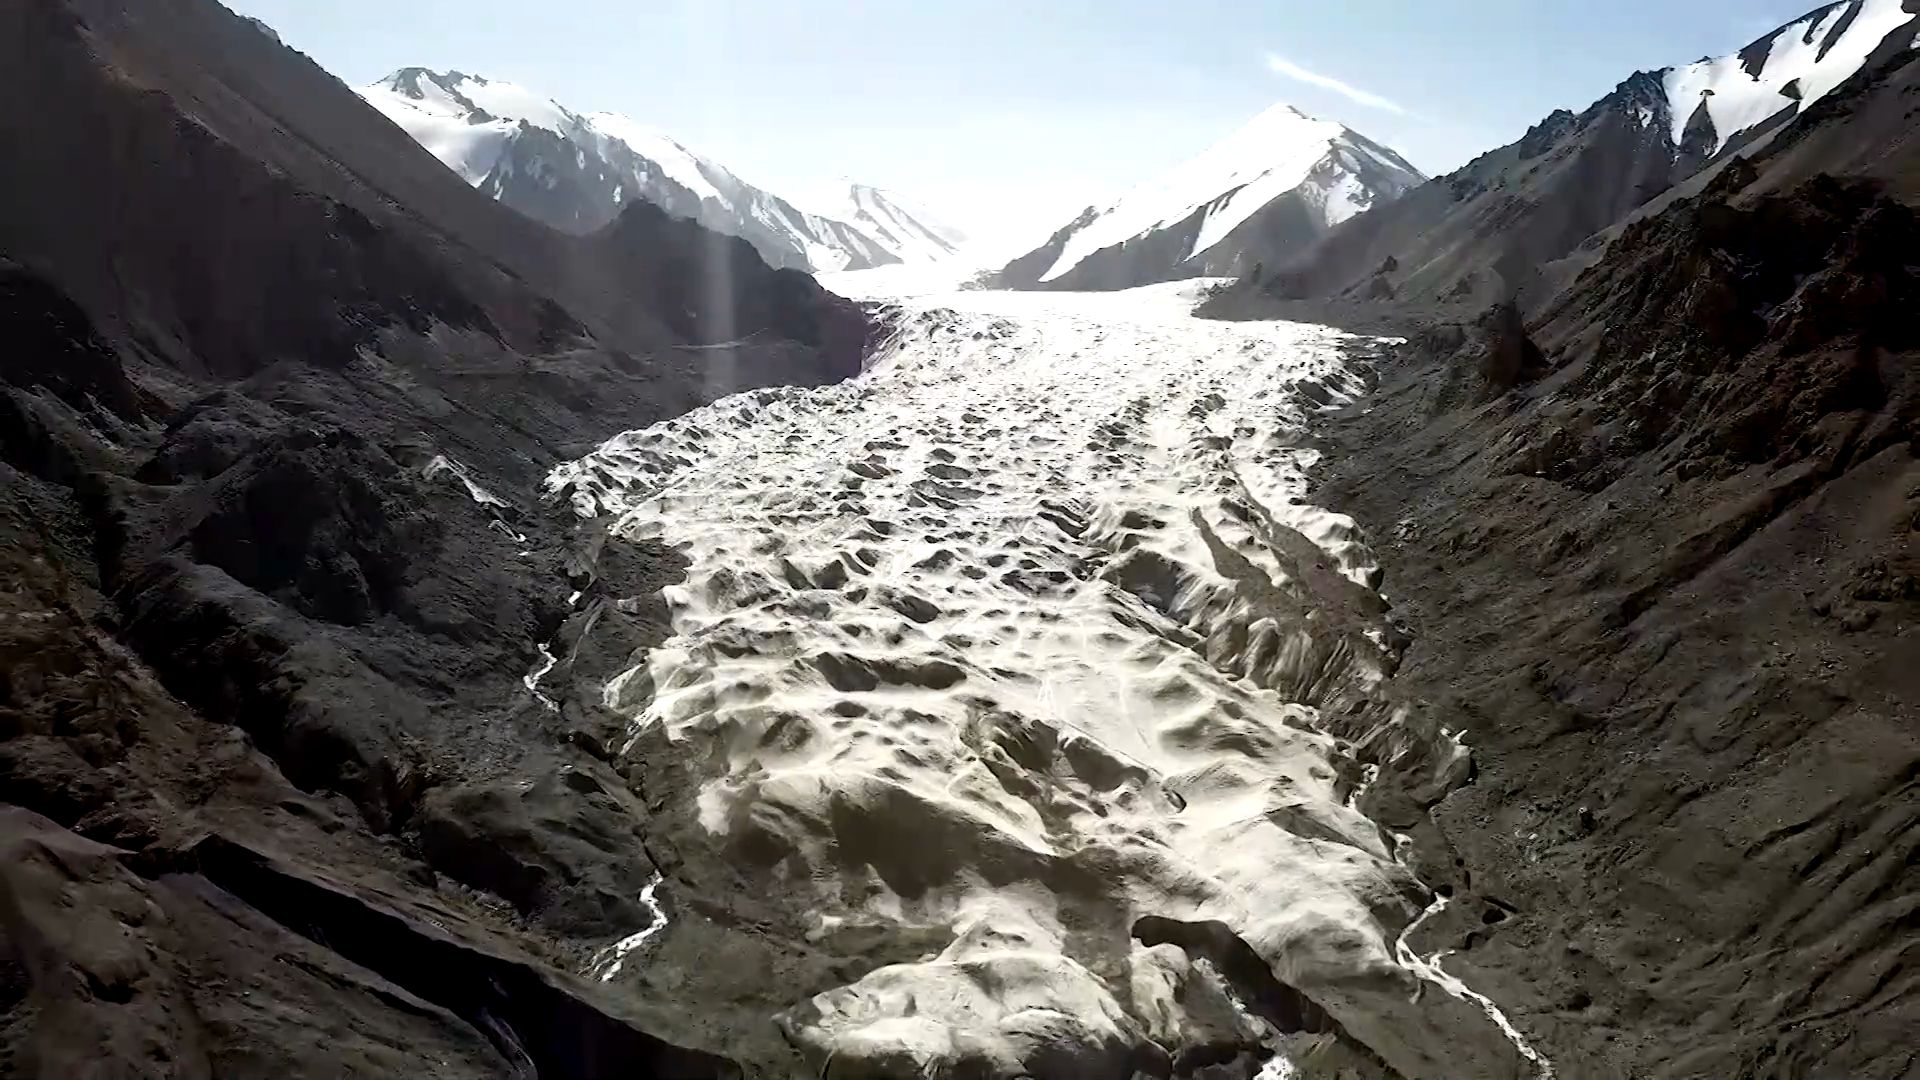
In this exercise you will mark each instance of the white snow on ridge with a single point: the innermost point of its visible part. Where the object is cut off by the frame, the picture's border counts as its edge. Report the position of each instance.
(1346, 197)
(1232, 180)
(470, 124)
(509, 101)
(1281, 175)
(449, 127)
(1737, 101)
(1274, 152)
(911, 232)
(441, 124)
(682, 165)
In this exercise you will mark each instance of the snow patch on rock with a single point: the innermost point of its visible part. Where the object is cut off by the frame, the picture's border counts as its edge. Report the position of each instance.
(1804, 61)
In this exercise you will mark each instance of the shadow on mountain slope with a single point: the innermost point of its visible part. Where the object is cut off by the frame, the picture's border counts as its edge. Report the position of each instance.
(275, 388)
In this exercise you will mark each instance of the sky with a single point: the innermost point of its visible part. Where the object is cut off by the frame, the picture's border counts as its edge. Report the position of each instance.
(1006, 117)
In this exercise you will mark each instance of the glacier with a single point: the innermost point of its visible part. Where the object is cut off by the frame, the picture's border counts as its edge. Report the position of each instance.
(1027, 646)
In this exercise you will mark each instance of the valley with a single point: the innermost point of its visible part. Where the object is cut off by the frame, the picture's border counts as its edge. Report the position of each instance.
(1025, 648)
(488, 592)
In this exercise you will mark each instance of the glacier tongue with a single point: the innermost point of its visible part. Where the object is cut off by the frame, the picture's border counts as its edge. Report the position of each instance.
(1016, 668)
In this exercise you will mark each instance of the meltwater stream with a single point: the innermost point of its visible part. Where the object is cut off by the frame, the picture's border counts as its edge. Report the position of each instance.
(1003, 666)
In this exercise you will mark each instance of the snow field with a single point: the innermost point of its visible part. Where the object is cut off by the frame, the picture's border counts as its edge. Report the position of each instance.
(1737, 100)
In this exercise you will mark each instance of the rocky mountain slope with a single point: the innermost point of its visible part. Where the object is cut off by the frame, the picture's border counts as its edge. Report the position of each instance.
(1264, 192)
(274, 390)
(577, 171)
(1492, 228)
(1658, 546)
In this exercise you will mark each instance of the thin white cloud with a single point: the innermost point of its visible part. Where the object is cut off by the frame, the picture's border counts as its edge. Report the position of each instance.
(1280, 65)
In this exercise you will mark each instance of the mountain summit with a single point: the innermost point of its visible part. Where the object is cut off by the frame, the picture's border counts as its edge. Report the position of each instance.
(1264, 191)
(910, 232)
(1517, 218)
(1714, 102)
(575, 171)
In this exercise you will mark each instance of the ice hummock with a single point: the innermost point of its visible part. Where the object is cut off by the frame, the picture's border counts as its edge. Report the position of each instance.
(1032, 595)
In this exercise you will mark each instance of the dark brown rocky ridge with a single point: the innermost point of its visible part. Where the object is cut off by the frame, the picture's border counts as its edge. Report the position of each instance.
(1663, 583)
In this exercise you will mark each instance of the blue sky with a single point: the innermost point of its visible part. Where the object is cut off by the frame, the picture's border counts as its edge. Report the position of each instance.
(1012, 114)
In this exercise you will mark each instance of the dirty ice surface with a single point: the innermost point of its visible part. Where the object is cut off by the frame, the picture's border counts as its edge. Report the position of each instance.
(1024, 636)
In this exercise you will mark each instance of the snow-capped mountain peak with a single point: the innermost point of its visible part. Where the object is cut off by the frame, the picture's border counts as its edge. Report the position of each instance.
(1330, 172)
(441, 113)
(1783, 72)
(577, 170)
(911, 231)
(475, 99)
